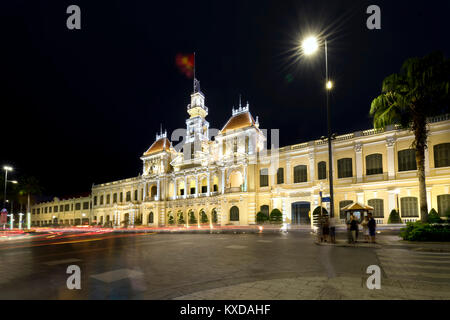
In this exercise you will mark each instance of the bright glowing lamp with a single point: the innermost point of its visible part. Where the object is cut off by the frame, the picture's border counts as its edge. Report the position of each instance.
(310, 45)
(329, 85)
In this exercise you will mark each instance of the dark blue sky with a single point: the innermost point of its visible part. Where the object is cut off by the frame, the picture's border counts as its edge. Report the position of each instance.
(80, 107)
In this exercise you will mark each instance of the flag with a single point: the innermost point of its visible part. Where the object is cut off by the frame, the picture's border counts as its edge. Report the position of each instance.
(185, 63)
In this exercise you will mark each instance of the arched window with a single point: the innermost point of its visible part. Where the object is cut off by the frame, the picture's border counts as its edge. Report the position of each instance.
(378, 207)
(300, 174)
(234, 213)
(343, 204)
(265, 209)
(114, 197)
(374, 164)
(280, 175)
(442, 155)
(322, 170)
(128, 196)
(150, 217)
(443, 204)
(407, 160)
(345, 169)
(153, 191)
(409, 207)
(108, 198)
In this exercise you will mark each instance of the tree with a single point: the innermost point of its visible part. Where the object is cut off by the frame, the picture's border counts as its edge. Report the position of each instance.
(203, 217)
(420, 90)
(433, 217)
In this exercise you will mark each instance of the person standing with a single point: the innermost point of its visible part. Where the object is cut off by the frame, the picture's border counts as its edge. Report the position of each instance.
(354, 228)
(365, 228)
(333, 223)
(372, 226)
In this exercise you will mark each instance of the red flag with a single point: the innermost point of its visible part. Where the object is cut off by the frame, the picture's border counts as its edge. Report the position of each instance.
(186, 64)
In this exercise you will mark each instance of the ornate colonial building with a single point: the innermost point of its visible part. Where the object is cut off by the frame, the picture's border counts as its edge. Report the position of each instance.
(228, 179)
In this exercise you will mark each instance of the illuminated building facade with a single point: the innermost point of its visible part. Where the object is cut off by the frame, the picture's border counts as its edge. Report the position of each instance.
(228, 179)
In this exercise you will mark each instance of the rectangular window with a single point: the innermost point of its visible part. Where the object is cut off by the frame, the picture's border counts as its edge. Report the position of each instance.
(108, 198)
(409, 207)
(142, 194)
(135, 195)
(264, 177)
(78, 206)
(45, 209)
(378, 207)
(128, 196)
(85, 205)
(55, 209)
(121, 197)
(442, 155)
(407, 160)
(61, 208)
(345, 168)
(204, 189)
(443, 205)
(95, 200)
(280, 176)
(50, 209)
(322, 170)
(38, 211)
(300, 174)
(101, 200)
(374, 164)
(114, 197)
(33, 211)
(67, 207)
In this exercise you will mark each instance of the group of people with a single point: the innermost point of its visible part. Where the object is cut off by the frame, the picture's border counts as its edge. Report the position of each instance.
(326, 228)
(368, 224)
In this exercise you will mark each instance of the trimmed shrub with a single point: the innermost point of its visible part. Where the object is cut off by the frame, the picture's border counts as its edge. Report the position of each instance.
(181, 219)
(171, 221)
(214, 217)
(261, 217)
(394, 217)
(419, 231)
(433, 217)
(276, 215)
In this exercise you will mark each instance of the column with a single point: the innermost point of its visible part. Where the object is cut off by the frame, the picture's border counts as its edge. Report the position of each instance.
(312, 166)
(358, 162)
(145, 192)
(185, 187)
(427, 164)
(174, 188)
(288, 172)
(390, 144)
(196, 186)
(223, 180)
(158, 190)
(208, 191)
(391, 201)
(245, 178)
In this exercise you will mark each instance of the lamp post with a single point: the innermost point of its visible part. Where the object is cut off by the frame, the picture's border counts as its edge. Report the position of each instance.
(6, 168)
(309, 46)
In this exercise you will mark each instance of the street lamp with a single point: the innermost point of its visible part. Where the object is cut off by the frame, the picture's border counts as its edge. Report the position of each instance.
(6, 168)
(309, 46)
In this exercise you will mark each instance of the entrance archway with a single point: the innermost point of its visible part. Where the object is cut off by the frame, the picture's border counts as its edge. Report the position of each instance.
(300, 212)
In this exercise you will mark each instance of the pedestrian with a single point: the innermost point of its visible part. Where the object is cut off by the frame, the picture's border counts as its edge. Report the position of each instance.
(372, 226)
(354, 228)
(349, 232)
(365, 228)
(333, 223)
(320, 228)
(326, 228)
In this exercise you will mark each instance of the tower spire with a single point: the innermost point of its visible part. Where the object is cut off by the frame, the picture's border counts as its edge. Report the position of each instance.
(194, 72)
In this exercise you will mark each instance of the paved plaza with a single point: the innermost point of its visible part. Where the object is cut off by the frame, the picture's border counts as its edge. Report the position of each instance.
(220, 265)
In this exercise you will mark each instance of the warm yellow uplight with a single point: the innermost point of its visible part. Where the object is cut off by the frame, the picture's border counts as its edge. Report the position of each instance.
(310, 45)
(329, 85)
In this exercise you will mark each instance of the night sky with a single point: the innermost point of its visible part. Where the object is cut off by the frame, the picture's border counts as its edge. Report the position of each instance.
(81, 106)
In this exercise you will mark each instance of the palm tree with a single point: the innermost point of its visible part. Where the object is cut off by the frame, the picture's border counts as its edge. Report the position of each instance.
(29, 186)
(420, 90)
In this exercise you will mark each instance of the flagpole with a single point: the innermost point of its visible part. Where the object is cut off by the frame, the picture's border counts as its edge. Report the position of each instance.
(194, 71)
